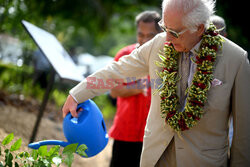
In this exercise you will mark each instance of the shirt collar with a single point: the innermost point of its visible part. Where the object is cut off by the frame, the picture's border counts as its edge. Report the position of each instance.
(196, 48)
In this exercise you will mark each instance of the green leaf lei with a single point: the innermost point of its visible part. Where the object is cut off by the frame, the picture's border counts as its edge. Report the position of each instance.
(197, 92)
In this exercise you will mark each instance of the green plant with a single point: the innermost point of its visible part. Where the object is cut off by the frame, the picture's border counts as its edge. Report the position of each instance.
(38, 158)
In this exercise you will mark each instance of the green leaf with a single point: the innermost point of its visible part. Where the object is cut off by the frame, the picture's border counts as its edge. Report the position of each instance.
(16, 145)
(162, 57)
(54, 151)
(69, 159)
(42, 150)
(40, 163)
(71, 148)
(16, 164)
(8, 139)
(6, 151)
(34, 154)
(21, 154)
(81, 150)
(159, 64)
(24, 154)
(8, 159)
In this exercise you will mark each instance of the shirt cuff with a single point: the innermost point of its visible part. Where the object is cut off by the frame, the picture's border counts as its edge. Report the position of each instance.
(73, 97)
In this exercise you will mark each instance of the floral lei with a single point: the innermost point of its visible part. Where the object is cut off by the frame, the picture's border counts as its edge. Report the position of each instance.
(197, 92)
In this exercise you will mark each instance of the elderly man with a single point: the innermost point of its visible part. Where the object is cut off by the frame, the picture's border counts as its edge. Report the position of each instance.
(204, 77)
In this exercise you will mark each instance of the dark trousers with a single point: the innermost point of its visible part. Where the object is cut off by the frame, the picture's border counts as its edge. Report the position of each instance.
(126, 154)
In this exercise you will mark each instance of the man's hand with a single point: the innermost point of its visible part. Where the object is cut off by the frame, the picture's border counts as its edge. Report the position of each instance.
(70, 105)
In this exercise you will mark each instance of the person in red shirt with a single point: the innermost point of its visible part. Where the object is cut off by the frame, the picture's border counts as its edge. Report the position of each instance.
(133, 103)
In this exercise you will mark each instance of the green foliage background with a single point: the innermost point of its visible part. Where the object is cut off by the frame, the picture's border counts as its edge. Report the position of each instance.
(97, 27)
(100, 27)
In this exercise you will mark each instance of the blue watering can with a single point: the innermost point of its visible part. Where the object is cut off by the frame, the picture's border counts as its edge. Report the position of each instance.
(89, 129)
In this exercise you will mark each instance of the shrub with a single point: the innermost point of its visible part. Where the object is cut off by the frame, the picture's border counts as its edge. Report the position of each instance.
(38, 158)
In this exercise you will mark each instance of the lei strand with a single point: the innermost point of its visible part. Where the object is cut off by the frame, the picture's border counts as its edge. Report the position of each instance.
(197, 92)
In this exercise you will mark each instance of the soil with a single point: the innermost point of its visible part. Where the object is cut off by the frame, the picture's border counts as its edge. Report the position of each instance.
(18, 116)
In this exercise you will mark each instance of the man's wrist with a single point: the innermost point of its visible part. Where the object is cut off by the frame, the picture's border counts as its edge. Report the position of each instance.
(73, 97)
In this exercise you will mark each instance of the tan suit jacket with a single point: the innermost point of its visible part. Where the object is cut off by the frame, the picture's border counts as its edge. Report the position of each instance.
(206, 144)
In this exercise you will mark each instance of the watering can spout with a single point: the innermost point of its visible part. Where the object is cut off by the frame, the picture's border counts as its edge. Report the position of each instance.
(36, 145)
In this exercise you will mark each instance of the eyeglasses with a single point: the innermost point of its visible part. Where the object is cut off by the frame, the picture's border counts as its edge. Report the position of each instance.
(173, 33)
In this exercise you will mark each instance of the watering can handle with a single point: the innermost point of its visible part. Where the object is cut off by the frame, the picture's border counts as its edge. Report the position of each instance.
(36, 145)
(83, 106)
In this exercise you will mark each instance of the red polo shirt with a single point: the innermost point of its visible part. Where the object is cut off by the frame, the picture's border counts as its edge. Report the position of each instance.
(131, 114)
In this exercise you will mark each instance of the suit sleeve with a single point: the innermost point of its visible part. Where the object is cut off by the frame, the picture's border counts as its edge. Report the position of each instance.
(128, 68)
(240, 150)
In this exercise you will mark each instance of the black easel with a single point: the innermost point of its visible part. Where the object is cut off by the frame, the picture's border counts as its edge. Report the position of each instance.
(43, 105)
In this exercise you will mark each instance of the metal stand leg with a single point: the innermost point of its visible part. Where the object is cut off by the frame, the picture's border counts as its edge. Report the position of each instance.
(43, 105)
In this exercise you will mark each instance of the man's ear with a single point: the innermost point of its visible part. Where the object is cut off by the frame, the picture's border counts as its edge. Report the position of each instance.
(201, 29)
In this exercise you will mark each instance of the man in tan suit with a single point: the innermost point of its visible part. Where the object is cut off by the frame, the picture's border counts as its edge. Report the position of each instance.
(217, 79)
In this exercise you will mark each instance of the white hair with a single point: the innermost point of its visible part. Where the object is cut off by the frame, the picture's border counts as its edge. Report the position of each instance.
(195, 12)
